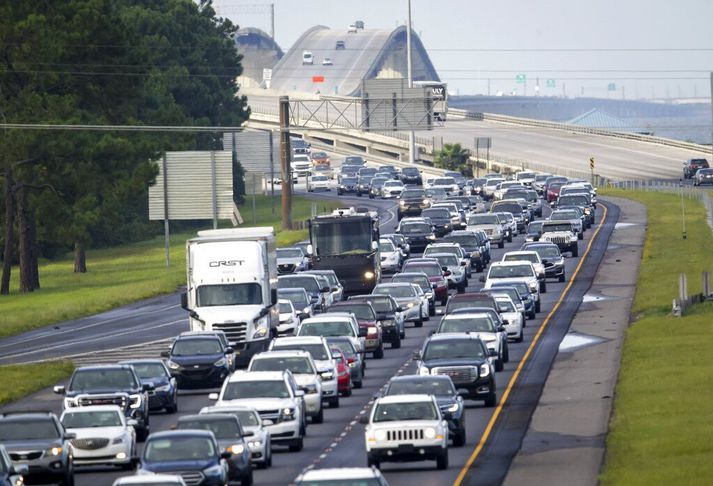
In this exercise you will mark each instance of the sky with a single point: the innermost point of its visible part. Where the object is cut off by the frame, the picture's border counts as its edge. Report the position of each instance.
(600, 48)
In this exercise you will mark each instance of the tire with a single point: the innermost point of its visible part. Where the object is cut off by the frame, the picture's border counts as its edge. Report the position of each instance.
(339, 193)
(510, 238)
(575, 252)
(444, 301)
(297, 445)
(461, 287)
(501, 244)
(531, 316)
(442, 461)
(432, 310)
(402, 334)
(419, 322)
(358, 384)
(358, 194)
(506, 353)
(396, 344)
(247, 480)
(537, 306)
(491, 400)
(499, 365)
(371, 196)
(562, 278)
(543, 287)
(173, 408)
(379, 353)
(580, 236)
(520, 338)
(348, 393)
(478, 268)
(459, 439)
(334, 402)
(68, 479)
(142, 434)
(319, 418)
(373, 462)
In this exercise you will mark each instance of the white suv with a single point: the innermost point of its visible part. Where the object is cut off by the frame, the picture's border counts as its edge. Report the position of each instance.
(276, 397)
(532, 257)
(406, 428)
(322, 356)
(333, 324)
(304, 370)
(517, 271)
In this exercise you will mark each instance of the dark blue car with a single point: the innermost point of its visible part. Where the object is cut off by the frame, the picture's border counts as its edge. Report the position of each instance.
(165, 393)
(192, 454)
(198, 361)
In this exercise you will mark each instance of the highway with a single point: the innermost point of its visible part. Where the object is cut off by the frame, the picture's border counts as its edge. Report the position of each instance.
(339, 441)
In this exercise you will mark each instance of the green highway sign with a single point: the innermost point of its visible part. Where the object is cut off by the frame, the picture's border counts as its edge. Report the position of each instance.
(550, 83)
(520, 78)
(611, 87)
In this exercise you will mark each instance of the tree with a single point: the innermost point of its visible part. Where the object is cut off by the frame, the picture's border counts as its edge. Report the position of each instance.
(453, 157)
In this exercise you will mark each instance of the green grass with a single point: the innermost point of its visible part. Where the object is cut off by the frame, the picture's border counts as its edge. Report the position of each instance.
(663, 419)
(21, 380)
(124, 274)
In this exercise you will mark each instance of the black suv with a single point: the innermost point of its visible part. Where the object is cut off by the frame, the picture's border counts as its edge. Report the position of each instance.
(199, 361)
(465, 359)
(386, 309)
(38, 441)
(551, 258)
(473, 242)
(692, 165)
(418, 234)
(110, 385)
(440, 219)
(412, 202)
(441, 387)
(411, 176)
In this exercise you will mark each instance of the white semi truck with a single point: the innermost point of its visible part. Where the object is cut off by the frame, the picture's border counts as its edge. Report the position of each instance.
(232, 287)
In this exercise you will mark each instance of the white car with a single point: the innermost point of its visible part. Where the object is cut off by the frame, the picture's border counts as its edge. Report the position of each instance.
(322, 356)
(490, 186)
(409, 297)
(304, 371)
(406, 428)
(276, 397)
(512, 318)
(301, 165)
(448, 184)
(289, 318)
(518, 271)
(391, 257)
(318, 183)
(254, 427)
(526, 177)
(103, 435)
(532, 257)
(144, 480)
(307, 58)
(490, 224)
(392, 189)
(291, 260)
(483, 326)
(342, 475)
(333, 324)
(327, 61)
(509, 224)
(499, 191)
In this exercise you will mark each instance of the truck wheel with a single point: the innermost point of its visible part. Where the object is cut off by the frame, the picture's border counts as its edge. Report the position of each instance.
(491, 400)
(575, 251)
(396, 344)
(442, 460)
(318, 419)
(297, 445)
(379, 353)
(501, 244)
(543, 286)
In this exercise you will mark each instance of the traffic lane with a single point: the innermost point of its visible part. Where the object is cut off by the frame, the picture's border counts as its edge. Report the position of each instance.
(145, 321)
(477, 416)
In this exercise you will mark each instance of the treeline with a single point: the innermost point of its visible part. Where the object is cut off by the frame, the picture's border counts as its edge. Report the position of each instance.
(101, 62)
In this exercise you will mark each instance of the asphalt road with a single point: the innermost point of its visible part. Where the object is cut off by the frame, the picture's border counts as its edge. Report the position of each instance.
(339, 440)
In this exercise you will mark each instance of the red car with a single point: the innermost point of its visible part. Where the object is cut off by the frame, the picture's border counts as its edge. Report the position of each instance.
(553, 191)
(436, 275)
(344, 377)
(368, 327)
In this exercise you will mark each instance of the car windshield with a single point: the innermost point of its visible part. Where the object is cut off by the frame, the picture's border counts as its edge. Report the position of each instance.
(450, 349)
(573, 200)
(196, 347)
(149, 370)
(222, 429)
(505, 305)
(361, 311)
(386, 247)
(255, 389)
(511, 292)
(395, 291)
(289, 253)
(88, 380)
(308, 282)
(411, 171)
(285, 307)
(563, 215)
(444, 181)
(84, 420)
(530, 257)
(394, 184)
(494, 182)
(510, 271)
(378, 181)
(421, 281)
(463, 240)
(534, 227)
(422, 386)
(351, 237)
(396, 412)
(520, 287)
(435, 192)
(28, 430)
(466, 324)
(296, 364)
(338, 328)
(483, 219)
(547, 252)
(316, 350)
(319, 178)
(452, 250)
(413, 194)
(330, 277)
(507, 207)
(229, 294)
(428, 269)
(298, 299)
(542, 177)
(176, 449)
(552, 228)
(447, 260)
(346, 347)
(349, 180)
(353, 159)
(525, 175)
(436, 213)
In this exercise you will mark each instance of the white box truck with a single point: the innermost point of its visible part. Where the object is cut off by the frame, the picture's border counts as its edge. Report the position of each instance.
(232, 287)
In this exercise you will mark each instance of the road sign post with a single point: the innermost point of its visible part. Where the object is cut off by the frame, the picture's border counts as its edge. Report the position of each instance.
(591, 169)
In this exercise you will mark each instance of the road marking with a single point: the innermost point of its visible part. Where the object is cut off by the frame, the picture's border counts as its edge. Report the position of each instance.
(523, 361)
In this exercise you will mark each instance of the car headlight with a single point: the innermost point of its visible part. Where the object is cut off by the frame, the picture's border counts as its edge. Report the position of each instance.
(173, 365)
(402, 203)
(236, 449)
(288, 414)
(372, 330)
(260, 333)
(215, 470)
(484, 370)
(454, 408)
(55, 451)
(255, 444)
(135, 401)
(380, 435)
(532, 286)
(164, 388)
(429, 433)
(118, 440)
(423, 370)
(368, 275)
(327, 375)
(220, 362)
(409, 305)
(69, 403)
(431, 237)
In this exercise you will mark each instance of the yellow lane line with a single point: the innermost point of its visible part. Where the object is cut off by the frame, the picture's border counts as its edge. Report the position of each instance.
(521, 365)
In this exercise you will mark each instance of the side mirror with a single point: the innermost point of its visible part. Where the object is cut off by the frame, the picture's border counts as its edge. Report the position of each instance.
(505, 322)
(417, 354)
(431, 332)
(299, 393)
(334, 289)
(326, 289)
(363, 331)
(20, 469)
(310, 249)
(59, 390)
(228, 351)
(462, 264)
(148, 387)
(401, 309)
(501, 328)
(184, 300)
(267, 422)
(165, 354)
(481, 279)
(226, 455)
(492, 352)
(445, 269)
(213, 396)
(132, 423)
(446, 415)
(70, 435)
(364, 419)
(433, 285)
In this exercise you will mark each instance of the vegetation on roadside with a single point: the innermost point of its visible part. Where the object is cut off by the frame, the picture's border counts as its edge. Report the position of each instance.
(662, 420)
(127, 273)
(453, 157)
(21, 380)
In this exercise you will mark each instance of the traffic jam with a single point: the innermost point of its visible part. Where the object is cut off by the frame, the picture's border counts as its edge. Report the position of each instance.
(281, 338)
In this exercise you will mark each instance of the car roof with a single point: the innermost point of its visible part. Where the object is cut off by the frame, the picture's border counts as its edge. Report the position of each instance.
(452, 336)
(257, 376)
(285, 353)
(136, 361)
(105, 367)
(419, 378)
(153, 478)
(405, 398)
(468, 295)
(202, 337)
(219, 409)
(207, 417)
(329, 317)
(409, 274)
(466, 314)
(393, 284)
(509, 264)
(340, 473)
(298, 340)
(95, 408)
(181, 433)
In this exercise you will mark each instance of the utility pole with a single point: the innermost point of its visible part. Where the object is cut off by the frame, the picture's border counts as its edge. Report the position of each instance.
(272, 21)
(285, 156)
(409, 74)
(711, 112)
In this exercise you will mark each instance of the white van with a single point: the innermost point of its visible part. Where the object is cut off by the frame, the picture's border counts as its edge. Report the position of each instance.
(307, 58)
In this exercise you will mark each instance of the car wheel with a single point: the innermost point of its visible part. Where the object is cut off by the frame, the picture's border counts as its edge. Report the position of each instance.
(537, 306)
(510, 238)
(173, 408)
(575, 252)
(442, 460)
(419, 322)
(396, 344)
(358, 194)
(491, 400)
(506, 354)
(478, 268)
(461, 287)
(580, 236)
(432, 310)
(334, 402)
(459, 438)
(358, 384)
(247, 479)
(297, 445)
(543, 287)
(348, 393)
(444, 301)
(379, 352)
(371, 196)
(562, 278)
(501, 244)
(373, 462)
(520, 337)
(68, 480)
(532, 315)
(142, 434)
(319, 418)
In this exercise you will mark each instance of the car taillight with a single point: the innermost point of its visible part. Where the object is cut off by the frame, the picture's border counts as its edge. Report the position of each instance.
(351, 359)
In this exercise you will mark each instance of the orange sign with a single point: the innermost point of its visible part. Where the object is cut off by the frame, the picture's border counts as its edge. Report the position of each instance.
(318, 79)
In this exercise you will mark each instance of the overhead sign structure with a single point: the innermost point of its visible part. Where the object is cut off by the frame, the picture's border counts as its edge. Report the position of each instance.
(520, 78)
(611, 87)
(389, 104)
(551, 83)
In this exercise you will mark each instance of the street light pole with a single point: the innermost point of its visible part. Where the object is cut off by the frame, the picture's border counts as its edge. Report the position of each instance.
(409, 75)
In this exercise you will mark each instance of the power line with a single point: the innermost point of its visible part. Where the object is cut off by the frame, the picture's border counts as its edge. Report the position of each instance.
(123, 128)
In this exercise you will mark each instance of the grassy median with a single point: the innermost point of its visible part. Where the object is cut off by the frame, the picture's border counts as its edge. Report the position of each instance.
(663, 420)
(125, 274)
(21, 380)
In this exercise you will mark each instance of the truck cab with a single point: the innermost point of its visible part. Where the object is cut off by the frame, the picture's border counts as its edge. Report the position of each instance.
(232, 287)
